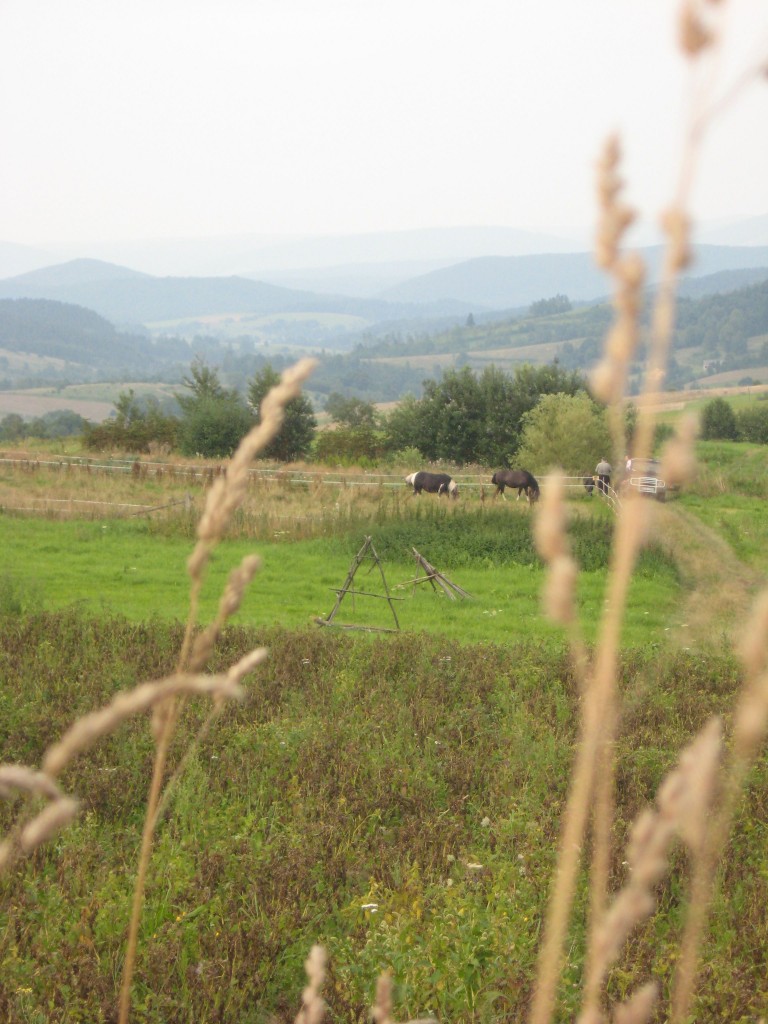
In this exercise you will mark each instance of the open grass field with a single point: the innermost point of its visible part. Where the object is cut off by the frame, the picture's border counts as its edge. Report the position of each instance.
(29, 404)
(396, 797)
(95, 402)
(129, 568)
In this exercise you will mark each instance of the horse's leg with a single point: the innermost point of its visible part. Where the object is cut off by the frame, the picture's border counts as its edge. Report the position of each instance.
(519, 492)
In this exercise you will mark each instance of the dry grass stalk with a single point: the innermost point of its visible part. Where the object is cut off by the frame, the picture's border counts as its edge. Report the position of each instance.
(549, 527)
(750, 725)
(694, 34)
(608, 379)
(239, 580)
(381, 1011)
(639, 1007)
(17, 778)
(633, 523)
(593, 772)
(228, 491)
(312, 1005)
(235, 673)
(551, 541)
(592, 776)
(678, 458)
(26, 837)
(48, 823)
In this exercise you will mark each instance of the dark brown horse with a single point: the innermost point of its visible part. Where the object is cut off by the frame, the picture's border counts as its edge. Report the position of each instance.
(519, 478)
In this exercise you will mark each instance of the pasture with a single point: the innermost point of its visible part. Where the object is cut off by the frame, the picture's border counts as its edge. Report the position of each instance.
(137, 569)
(113, 536)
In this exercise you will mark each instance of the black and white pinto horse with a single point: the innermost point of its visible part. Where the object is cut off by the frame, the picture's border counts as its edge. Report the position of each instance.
(433, 483)
(519, 478)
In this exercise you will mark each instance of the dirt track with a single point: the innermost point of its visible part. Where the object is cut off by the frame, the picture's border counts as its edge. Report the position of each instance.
(719, 587)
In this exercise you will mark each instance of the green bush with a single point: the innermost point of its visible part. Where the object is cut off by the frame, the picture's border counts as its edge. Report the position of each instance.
(213, 427)
(752, 423)
(345, 446)
(718, 421)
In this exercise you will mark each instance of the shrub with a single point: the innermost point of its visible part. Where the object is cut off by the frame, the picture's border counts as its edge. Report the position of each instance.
(570, 431)
(718, 421)
(752, 424)
(213, 427)
(348, 445)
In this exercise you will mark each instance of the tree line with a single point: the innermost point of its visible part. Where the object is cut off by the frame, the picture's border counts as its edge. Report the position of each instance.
(543, 413)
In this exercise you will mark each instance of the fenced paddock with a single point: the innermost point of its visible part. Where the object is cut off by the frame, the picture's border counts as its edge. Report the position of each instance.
(296, 502)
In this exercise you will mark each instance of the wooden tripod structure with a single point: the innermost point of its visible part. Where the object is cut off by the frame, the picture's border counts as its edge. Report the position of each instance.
(367, 551)
(437, 578)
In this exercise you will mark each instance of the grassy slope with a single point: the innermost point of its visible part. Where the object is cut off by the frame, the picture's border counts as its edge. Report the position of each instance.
(360, 770)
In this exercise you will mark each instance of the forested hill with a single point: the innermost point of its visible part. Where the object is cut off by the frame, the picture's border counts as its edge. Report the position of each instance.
(727, 331)
(59, 330)
(723, 320)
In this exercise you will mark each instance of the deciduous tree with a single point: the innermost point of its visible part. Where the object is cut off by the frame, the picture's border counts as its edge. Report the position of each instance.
(298, 429)
(569, 431)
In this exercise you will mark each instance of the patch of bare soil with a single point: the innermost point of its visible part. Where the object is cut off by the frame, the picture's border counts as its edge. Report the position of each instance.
(37, 405)
(719, 587)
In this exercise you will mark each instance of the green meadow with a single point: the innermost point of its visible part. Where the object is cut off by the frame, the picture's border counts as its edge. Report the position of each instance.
(134, 569)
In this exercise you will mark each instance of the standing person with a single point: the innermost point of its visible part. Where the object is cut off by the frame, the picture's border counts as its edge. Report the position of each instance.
(603, 473)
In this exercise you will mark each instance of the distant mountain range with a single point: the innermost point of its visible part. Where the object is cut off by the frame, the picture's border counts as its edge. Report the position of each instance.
(752, 231)
(131, 298)
(360, 264)
(256, 256)
(497, 282)
(127, 297)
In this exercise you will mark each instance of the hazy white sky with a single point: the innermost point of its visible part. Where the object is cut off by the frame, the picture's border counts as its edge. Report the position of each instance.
(138, 119)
